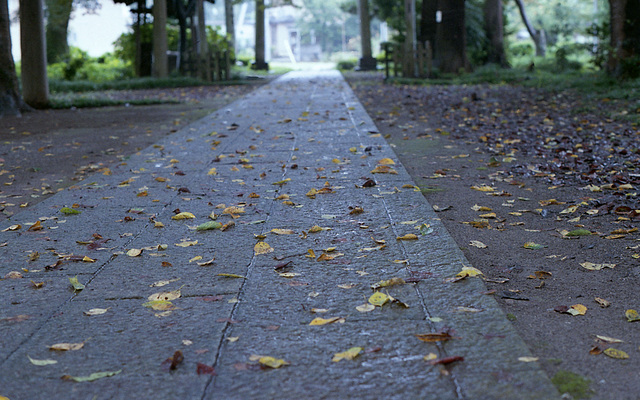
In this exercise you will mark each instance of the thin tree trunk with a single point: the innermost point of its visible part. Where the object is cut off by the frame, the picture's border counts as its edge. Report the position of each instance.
(451, 37)
(261, 63)
(231, 30)
(367, 62)
(10, 102)
(538, 35)
(35, 87)
(58, 15)
(493, 23)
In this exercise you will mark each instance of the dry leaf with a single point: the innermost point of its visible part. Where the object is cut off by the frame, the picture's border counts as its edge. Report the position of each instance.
(478, 244)
(183, 215)
(66, 346)
(347, 355)
(408, 236)
(632, 315)
(262, 248)
(365, 307)
(134, 252)
(325, 321)
(96, 311)
(378, 299)
(596, 267)
(615, 353)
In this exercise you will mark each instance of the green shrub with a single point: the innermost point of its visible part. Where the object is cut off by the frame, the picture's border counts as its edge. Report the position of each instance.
(347, 65)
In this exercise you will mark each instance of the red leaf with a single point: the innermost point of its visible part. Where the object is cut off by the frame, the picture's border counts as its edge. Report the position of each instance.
(204, 369)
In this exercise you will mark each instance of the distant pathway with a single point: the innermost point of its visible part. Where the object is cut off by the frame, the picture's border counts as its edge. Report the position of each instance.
(313, 202)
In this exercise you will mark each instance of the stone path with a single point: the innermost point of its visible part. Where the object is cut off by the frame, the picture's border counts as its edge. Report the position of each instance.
(289, 172)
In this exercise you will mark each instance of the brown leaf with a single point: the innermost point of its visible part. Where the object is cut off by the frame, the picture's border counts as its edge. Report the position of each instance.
(204, 369)
(172, 362)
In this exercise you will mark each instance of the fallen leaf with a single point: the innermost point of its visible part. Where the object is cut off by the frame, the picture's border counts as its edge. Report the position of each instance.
(40, 362)
(159, 305)
(435, 337)
(478, 244)
(446, 360)
(325, 321)
(36, 227)
(603, 303)
(528, 359)
(384, 169)
(408, 236)
(615, 353)
(134, 252)
(483, 188)
(378, 299)
(209, 226)
(430, 357)
(386, 161)
(231, 275)
(596, 267)
(66, 346)
(187, 243)
(172, 362)
(577, 309)
(165, 296)
(365, 307)
(607, 339)
(632, 315)
(272, 362)
(347, 355)
(388, 282)
(262, 248)
(95, 311)
(92, 377)
(77, 286)
(283, 231)
(579, 232)
(183, 215)
(533, 246)
(468, 271)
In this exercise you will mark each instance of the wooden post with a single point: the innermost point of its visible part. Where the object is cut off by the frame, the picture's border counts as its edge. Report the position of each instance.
(421, 59)
(397, 59)
(429, 55)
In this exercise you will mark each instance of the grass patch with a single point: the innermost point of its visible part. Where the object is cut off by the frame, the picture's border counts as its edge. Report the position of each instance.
(86, 101)
(574, 384)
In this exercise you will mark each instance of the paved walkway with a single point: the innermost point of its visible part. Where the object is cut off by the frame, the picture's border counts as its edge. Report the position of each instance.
(289, 172)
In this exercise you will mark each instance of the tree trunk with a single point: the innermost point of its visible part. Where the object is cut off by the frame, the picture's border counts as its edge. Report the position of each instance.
(410, 38)
(538, 35)
(451, 37)
(367, 62)
(228, 19)
(493, 25)
(160, 61)
(261, 63)
(625, 38)
(10, 102)
(58, 15)
(428, 24)
(35, 87)
(202, 45)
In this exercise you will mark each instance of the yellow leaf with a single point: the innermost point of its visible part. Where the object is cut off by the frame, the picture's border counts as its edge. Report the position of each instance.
(607, 339)
(283, 231)
(311, 254)
(312, 193)
(159, 305)
(384, 169)
(212, 171)
(569, 210)
(430, 357)
(88, 259)
(183, 215)
(365, 307)
(325, 257)
(134, 252)
(233, 210)
(615, 353)
(483, 188)
(196, 258)
(378, 299)
(316, 229)
(468, 271)
(480, 208)
(408, 236)
(231, 275)
(488, 215)
(272, 362)
(386, 161)
(632, 315)
(187, 243)
(347, 355)
(577, 309)
(289, 275)
(158, 224)
(325, 321)
(165, 296)
(262, 248)
(596, 267)
(66, 346)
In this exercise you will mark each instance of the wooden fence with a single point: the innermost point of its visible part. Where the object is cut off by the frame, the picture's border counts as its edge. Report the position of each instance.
(407, 62)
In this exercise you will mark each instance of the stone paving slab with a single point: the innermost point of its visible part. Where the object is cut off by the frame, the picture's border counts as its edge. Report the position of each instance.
(285, 169)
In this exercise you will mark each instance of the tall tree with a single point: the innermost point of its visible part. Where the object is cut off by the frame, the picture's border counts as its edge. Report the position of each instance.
(367, 62)
(625, 38)
(494, 28)
(228, 21)
(261, 63)
(538, 35)
(58, 16)
(35, 87)
(10, 101)
(451, 37)
(160, 62)
(428, 24)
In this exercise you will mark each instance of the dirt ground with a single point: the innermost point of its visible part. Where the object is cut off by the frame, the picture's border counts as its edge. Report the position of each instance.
(542, 199)
(539, 196)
